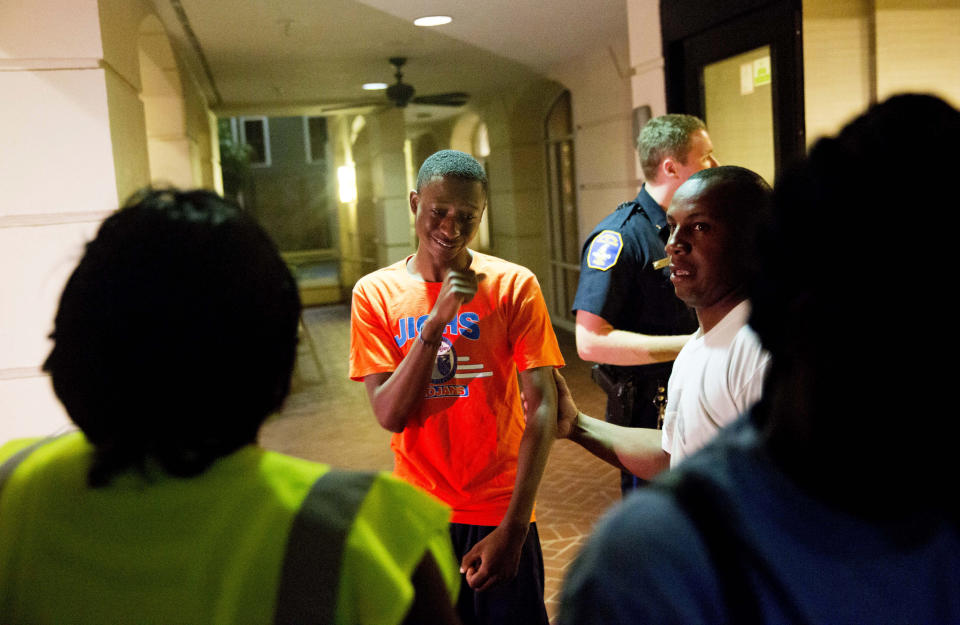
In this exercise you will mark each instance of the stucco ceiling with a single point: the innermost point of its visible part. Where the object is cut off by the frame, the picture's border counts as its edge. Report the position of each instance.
(271, 56)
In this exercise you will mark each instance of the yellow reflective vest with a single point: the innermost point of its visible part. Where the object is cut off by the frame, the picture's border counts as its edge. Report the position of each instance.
(260, 537)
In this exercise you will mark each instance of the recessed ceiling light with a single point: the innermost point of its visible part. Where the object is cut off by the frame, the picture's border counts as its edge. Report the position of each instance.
(432, 20)
(375, 86)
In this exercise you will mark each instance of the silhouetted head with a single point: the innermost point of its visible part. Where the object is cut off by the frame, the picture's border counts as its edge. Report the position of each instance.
(851, 303)
(176, 334)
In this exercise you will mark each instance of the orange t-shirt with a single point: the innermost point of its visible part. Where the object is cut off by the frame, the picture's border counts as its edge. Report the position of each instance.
(461, 443)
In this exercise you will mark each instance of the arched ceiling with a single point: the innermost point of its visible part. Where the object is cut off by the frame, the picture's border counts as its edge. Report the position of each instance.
(275, 56)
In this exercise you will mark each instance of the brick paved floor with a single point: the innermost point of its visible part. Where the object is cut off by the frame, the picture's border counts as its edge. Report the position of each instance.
(327, 418)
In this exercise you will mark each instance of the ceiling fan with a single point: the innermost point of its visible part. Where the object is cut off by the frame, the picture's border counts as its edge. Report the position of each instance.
(401, 93)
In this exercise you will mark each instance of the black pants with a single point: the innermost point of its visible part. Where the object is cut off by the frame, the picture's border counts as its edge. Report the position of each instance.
(630, 401)
(517, 602)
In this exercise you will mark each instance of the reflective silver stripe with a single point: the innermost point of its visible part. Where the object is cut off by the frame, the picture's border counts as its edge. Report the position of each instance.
(10, 464)
(310, 579)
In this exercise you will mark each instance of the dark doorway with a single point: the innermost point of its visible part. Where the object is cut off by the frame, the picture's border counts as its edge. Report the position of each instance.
(739, 66)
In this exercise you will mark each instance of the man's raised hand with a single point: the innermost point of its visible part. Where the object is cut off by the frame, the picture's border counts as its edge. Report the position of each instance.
(458, 288)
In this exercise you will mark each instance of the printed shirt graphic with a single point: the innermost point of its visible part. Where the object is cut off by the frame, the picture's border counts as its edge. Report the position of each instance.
(462, 442)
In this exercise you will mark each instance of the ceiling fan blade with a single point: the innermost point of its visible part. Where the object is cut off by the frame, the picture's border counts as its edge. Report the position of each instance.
(454, 98)
(333, 108)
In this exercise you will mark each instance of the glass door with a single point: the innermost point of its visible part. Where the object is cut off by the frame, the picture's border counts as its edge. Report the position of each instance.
(738, 110)
(742, 72)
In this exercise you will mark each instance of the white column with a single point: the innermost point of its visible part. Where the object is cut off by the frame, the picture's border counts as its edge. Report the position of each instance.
(390, 191)
(57, 182)
(648, 84)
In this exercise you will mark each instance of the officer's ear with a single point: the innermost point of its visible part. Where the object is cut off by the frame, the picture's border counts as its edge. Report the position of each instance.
(668, 168)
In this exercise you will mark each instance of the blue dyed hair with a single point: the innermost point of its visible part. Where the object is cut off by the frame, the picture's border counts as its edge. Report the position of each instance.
(451, 163)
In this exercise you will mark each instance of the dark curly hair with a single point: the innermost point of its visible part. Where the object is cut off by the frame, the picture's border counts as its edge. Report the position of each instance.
(176, 334)
(852, 302)
(846, 232)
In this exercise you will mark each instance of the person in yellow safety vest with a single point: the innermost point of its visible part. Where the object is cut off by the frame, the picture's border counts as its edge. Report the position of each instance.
(174, 340)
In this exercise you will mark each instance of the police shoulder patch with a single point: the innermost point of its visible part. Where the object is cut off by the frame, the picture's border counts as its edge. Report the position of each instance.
(604, 250)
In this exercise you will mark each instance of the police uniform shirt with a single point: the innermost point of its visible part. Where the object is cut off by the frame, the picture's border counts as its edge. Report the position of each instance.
(617, 278)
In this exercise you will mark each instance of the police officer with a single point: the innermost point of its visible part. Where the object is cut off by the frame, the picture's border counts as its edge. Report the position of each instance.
(629, 320)
(174, 340)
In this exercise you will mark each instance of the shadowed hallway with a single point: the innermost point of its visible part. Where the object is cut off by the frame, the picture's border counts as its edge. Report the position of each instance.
(327, 418)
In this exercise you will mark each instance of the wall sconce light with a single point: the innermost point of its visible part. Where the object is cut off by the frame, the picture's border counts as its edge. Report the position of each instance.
(347, 182)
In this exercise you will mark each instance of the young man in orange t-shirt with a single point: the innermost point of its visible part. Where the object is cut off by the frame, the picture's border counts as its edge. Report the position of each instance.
(438, 339)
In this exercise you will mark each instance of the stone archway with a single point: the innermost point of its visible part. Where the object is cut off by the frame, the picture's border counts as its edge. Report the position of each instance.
(164, 109)
(463, 133)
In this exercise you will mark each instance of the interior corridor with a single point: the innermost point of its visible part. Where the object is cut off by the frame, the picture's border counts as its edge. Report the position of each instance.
(327, 418)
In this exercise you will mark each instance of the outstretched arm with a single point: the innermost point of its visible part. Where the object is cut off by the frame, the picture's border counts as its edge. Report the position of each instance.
(495, 558)
(637, 450)
(598, 341)
(394, 395)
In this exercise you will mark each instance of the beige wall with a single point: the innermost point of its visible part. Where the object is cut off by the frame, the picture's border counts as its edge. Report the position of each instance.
(352, 266)
(648, 86)
(161, 115)
(600, 91)
(74, 147)
(56, 183)
(918, 47)
(837, 63)
(122, 25)
(128, 134)
(859, 51)
(517, 169)
(389, 177)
